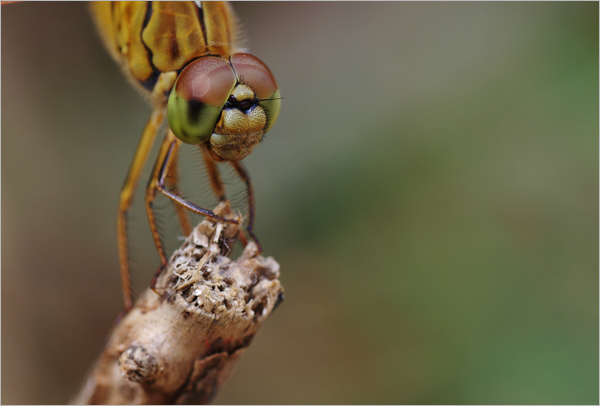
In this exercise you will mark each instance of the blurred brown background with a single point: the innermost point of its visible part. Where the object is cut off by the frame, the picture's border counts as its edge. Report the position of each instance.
(430, 191)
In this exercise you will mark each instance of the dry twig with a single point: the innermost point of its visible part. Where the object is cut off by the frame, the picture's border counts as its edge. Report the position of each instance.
(181, 346)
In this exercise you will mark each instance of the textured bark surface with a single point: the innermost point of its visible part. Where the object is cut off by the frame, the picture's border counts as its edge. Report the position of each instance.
(181, 345)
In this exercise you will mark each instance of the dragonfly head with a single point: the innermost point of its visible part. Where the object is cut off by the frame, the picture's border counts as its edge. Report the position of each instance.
(227, 104)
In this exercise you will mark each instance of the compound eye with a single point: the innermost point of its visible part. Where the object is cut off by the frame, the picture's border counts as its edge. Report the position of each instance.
(199, 94)
(252, 72)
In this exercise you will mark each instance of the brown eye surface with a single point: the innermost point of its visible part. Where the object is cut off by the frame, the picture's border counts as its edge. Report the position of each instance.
(199, 94)
(253, 72)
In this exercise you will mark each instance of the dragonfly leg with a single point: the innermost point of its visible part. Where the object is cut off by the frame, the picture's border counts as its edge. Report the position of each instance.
(166, 154)
(172, 182)
(126, 198)
(243, 173)
(213, 173)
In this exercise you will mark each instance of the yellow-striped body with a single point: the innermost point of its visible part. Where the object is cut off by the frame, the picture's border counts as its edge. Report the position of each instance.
(151, 38)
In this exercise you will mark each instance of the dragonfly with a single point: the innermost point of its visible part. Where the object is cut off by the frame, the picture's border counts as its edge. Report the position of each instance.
(184, 57)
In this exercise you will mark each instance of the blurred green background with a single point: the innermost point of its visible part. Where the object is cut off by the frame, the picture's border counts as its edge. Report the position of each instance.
(430, 191)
